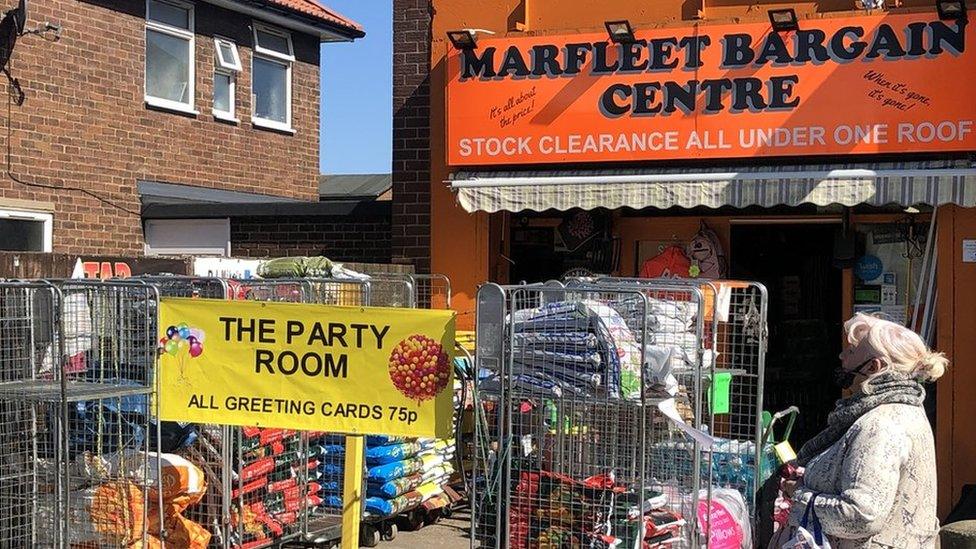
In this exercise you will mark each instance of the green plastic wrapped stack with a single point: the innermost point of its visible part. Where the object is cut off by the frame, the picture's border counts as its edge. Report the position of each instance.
(296, 267)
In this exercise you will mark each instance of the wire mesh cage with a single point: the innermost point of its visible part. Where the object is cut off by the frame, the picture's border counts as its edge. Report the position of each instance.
(263, 484)
(431, 291)
(730, 399)
(187, 286)
(275, 290)
(77, 364)
(391, 290)
(570, 380)
(418, 291)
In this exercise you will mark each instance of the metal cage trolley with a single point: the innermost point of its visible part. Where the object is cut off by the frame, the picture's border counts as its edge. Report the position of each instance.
(735, 342)
(77, 363)
(575, 387)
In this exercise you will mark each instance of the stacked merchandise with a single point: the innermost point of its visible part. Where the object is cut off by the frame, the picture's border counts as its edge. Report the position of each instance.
(113, 503)
(306, 267)
(587, 348)
(75, 459)
(401, 474)
(271, 495)
(551, 511)
(579, 349)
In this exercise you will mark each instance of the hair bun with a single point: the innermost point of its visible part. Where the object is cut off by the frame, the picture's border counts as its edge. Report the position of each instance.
(931, 367)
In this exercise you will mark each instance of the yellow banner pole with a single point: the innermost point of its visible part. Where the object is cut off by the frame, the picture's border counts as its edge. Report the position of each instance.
(352, 491)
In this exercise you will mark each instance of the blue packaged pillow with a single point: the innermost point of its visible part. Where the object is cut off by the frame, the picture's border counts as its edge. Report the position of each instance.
(382, 440)
(334, 502)
(397, 469)
(395, 487)
(331, 469)
(331, 450)
(378, 455)
(330, 487)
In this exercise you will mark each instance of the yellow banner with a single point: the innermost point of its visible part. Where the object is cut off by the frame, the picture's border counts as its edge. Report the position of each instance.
(358, 370)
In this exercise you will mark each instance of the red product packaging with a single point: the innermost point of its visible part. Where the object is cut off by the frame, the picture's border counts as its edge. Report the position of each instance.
(250, 487)
(282, 485)
(272, 525)
(292, 493)
(269, 436)
(259, 468)
(287, 518)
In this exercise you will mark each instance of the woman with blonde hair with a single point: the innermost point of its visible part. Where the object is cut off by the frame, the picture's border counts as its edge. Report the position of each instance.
(870, 476)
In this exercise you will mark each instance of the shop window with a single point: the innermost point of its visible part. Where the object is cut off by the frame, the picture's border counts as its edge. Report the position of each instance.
(271, 78)
(227, 64)
(169, 55)
(888, 271)
(25, 231)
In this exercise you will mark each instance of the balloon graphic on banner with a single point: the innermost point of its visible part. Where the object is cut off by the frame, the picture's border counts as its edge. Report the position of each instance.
(419, 368)
(181, 337)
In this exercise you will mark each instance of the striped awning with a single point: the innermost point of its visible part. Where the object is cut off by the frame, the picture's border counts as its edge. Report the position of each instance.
(902, 183)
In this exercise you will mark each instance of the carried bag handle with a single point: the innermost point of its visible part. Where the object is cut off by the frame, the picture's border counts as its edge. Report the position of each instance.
(809, 512)
(791, 413)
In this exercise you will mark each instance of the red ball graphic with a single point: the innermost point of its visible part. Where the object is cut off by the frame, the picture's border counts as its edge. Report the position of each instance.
(419, 367)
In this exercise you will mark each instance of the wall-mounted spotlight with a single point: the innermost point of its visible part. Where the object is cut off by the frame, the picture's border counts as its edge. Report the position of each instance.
(620, 32)
(466, 39)
(951, 9)
(463, 39)
(784, 20)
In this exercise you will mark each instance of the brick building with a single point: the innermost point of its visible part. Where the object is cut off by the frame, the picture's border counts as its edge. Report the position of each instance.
(148, 104)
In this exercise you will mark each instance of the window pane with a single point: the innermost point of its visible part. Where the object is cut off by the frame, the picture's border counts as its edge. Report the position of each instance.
(227, 56)
(169, 14)
(167, 67)
(222, 92)
(273, 42)
(270, 87)
(18, 235)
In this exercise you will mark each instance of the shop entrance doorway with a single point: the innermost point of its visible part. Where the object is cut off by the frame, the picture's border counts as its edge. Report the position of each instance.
(795, 263)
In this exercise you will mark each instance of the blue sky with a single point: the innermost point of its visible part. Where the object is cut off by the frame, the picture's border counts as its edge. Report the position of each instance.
(357, 92)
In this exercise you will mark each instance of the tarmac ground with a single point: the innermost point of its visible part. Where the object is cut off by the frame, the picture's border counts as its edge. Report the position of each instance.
(446, 533)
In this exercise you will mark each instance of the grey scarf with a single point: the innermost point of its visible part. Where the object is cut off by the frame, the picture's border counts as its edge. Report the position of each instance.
(886, 388)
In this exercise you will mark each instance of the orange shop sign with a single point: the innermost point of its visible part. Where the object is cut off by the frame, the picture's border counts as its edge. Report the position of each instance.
(897, 83)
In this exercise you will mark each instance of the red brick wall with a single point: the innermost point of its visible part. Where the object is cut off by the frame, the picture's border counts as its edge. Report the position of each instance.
(360, 238)
(85, 125)
(411, 133)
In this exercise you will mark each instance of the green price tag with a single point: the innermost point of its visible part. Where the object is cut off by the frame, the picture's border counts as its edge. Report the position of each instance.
(719, 393)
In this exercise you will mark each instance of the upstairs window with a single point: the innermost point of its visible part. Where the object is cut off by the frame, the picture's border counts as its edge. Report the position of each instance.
(169, 54)
(226, 66)
(271, 78)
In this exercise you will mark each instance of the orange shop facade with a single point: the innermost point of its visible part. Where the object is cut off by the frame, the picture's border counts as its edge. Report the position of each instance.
(830, 160)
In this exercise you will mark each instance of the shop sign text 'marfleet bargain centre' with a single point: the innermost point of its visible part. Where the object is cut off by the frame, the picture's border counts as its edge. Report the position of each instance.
(835, 87)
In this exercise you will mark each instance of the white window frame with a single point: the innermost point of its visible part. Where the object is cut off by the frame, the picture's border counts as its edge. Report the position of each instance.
(231, 70)
(188, 34)
(46, 218)
(274, 57)
(234, 64)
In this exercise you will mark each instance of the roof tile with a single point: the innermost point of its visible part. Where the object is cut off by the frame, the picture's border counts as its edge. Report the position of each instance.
(319, 11)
